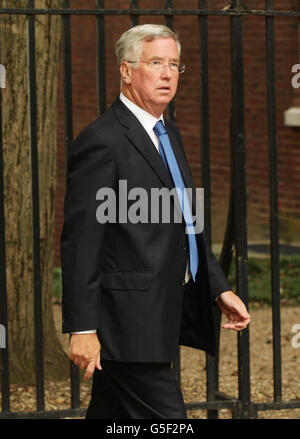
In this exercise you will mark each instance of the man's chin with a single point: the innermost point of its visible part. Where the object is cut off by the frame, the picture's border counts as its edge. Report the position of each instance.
(165, 98)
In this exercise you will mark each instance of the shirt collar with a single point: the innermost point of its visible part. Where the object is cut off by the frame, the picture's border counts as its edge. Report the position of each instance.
(146, 119)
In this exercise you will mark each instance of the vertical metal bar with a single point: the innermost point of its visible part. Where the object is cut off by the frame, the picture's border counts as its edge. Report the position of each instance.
(228, 243)
(169, 18)
(240, 203)
(67, 78)
(273, 197)
(171, 116)
(298, 33)
(204, 115)
(5, 379)
(67, 86)
(38, 323)
(211, 362)
(134, 4)
(169, 23)
(101, 76)
(227, 249)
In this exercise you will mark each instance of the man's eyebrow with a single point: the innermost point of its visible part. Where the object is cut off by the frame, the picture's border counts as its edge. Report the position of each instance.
(159, 58)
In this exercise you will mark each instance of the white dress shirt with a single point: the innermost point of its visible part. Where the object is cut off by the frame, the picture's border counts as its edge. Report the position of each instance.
(146, 119)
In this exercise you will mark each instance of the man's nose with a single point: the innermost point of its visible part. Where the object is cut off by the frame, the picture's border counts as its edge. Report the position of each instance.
(166, 71)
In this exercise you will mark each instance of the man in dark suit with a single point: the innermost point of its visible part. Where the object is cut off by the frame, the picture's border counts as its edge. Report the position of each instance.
(136, 289)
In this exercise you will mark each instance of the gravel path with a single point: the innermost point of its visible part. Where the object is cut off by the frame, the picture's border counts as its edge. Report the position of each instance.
(261, 365)
(193, 376)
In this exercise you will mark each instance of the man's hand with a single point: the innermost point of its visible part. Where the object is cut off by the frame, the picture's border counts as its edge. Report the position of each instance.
(85, 352)
(233, 307)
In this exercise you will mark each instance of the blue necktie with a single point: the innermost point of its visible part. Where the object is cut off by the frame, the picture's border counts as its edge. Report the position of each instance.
(170, 161)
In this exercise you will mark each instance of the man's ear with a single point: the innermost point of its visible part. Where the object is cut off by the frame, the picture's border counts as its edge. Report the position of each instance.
(125, 72)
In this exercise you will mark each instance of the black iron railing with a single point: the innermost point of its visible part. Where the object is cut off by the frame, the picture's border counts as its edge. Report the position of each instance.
(236, 231)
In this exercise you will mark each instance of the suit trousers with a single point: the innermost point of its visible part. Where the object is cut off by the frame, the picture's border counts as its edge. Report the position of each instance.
(126, 390)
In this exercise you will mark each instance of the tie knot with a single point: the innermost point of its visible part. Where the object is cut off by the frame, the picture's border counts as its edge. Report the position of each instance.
(159, 128)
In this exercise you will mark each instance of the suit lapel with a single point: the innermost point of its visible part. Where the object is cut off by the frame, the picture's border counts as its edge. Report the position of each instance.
(181, 160)
(142, 142)
(183, 165)
(140, 139)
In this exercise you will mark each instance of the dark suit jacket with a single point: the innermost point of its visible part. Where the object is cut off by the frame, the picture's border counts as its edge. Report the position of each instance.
(126, 279)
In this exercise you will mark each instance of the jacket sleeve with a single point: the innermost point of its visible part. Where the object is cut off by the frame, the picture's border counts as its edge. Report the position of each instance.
(217, 278)
(90, 167)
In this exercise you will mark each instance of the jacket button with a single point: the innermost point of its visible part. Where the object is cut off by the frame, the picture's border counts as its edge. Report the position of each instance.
(183, 246)
(182, 282)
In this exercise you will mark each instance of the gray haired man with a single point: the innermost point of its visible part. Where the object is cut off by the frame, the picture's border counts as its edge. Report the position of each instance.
(134, 291)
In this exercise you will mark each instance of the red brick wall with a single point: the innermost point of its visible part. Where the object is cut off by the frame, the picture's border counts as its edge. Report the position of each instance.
(188, 107)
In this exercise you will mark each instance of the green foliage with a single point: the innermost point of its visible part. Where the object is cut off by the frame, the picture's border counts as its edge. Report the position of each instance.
(259, 279)
(57, 287)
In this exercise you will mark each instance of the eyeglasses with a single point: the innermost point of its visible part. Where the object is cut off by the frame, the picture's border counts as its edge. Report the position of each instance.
(158, 65)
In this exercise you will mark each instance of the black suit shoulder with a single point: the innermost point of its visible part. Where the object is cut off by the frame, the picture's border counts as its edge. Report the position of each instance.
(95, 131)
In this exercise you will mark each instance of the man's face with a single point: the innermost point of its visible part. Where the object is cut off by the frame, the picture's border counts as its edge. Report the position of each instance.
(148, 88)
